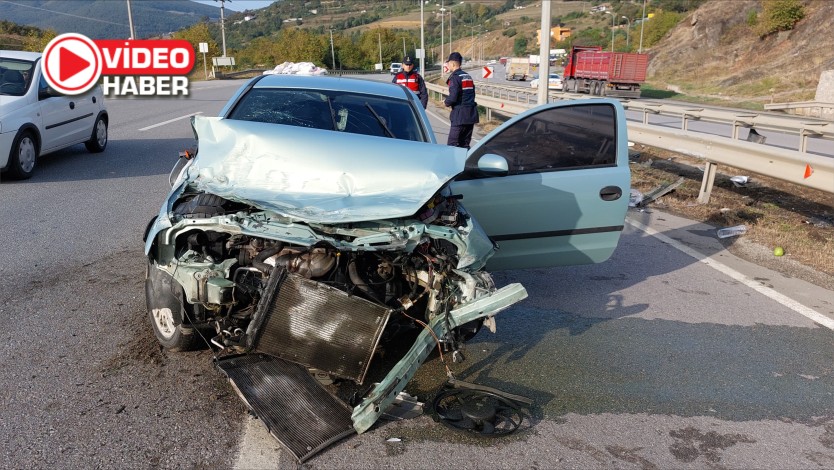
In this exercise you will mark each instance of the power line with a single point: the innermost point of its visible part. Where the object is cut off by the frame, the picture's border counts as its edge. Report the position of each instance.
(61, 13)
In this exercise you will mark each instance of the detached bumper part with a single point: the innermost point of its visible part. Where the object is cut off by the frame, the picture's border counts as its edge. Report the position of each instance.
(301, 324)
(380, 398)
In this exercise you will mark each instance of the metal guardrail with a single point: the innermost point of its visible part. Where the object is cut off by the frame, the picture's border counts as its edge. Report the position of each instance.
(804, 128)
(794, 166)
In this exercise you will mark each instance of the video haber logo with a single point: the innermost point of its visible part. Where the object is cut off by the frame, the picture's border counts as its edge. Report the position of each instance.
(73, 63)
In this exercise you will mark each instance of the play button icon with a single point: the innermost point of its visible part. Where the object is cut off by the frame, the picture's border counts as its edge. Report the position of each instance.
(71, 63)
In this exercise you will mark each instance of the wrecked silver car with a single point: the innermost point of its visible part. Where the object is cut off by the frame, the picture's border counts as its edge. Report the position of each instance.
(322, 242)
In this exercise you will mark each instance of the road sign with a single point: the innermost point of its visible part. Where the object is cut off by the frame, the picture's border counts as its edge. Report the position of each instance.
(223, 61)
(203, 47)
(445, 68)
(487, 72)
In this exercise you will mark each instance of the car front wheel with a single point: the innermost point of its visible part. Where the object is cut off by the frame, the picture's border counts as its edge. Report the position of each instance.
(24, 156)
(164, 300)
(98, 141)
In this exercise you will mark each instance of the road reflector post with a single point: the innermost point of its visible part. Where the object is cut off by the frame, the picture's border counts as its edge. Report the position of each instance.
(707, 183)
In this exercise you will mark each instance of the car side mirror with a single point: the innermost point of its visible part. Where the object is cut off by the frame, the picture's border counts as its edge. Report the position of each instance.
(491, 164)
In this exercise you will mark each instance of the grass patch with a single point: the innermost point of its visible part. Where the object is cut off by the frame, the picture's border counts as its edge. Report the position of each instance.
(776, 213)
(648, 91)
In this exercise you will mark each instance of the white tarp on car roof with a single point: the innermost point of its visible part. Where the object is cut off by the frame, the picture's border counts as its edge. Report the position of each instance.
(296, 68)
(319, 175)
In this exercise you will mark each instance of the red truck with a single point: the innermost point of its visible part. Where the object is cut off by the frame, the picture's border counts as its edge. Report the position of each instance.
(592, 70)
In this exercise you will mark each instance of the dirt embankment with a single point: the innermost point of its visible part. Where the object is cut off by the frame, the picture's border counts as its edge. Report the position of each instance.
(715, 52)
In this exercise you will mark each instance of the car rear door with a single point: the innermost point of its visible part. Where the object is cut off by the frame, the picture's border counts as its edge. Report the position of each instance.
(564, 199)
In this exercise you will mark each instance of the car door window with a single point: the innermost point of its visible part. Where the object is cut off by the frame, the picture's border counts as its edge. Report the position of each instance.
(556, 139)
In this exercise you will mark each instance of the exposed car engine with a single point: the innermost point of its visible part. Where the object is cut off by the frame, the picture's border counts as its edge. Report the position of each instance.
(409, 267)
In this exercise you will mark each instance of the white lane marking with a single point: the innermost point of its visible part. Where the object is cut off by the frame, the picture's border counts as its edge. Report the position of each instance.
(169, 121)
(448, 123)
(439, 118)
(258, 450)
(797, 307)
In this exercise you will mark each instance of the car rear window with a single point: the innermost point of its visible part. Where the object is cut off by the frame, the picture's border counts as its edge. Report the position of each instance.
(331, 110)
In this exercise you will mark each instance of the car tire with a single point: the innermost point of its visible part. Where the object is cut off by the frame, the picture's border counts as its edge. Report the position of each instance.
(165, 303)
(23, 157)
(98, 139)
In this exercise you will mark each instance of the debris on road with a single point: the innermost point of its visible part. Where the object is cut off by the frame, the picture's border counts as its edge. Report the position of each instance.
(727, 232)
(740, 181)
(657, 192)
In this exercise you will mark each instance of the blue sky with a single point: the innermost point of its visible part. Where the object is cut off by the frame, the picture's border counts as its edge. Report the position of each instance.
(238, 5)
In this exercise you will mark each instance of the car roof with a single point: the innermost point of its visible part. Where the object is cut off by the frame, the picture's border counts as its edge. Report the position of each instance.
(24, 55)
(319, 82)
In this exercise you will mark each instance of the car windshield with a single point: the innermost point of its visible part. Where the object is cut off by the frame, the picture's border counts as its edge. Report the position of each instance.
(15, 76)
(331, 110)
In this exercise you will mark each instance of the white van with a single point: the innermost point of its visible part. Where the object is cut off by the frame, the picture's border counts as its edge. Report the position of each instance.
(396, 67)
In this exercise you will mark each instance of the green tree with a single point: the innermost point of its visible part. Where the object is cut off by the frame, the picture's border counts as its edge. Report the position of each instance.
(520, 46)
(36, 40)
(779, 15)
(657, 27)
(196, 34)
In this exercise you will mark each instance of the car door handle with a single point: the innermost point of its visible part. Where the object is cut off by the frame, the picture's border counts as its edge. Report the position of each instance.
(610, 193)
(72, 104)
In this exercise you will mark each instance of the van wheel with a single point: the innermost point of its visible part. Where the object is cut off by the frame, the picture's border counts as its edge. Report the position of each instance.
(98, 140)
(23, 156)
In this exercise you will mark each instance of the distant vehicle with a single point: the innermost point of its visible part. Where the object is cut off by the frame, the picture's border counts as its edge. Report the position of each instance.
(554, 82)
(396, 68)
(518, 68)
(492, 62)
(590, 70)
(37, 120)
(503, 61)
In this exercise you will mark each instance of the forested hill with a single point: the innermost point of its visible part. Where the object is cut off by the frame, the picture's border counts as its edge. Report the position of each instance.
(101, 19)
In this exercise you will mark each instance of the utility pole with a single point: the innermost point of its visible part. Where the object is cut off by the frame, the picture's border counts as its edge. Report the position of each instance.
(404, 53)
(613, 17)
(544, 55)
(442, 31)
(130, 20)
(450, 31)
(627, 30)
(379, 37)
(422, 42)
(223, 24)
(332, 51)
(642, 22)
(472, 31)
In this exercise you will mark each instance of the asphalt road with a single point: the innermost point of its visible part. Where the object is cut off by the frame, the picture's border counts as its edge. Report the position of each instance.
(653, 359)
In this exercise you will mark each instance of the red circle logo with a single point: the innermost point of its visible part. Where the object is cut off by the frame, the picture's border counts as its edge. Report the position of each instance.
(71, 63)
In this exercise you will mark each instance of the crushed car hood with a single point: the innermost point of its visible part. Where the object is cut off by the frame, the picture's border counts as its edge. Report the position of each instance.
(332, 177)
